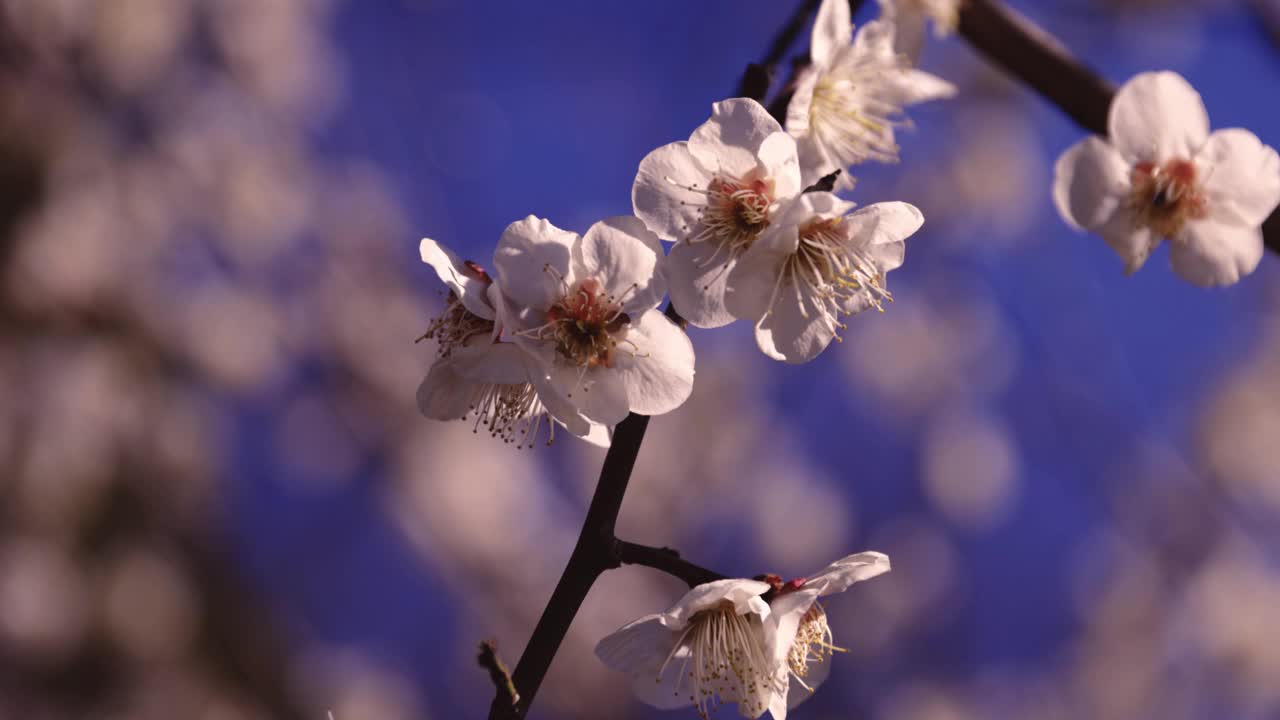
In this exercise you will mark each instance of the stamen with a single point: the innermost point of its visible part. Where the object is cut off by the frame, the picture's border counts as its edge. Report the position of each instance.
(511, 412)
(454, 326)
(726, 658)
(735, 210)
(813, 644)
(1164, 197)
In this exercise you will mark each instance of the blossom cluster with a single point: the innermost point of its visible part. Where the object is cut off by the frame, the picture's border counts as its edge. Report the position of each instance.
(566, 331)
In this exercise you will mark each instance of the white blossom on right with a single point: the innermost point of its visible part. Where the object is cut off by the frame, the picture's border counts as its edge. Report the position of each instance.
(850, 98)
(821, 260)
(909, 17)
(1162, 175)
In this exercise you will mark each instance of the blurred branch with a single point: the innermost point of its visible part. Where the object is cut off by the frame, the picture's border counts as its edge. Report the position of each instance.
(666, 560)
(1037, 59)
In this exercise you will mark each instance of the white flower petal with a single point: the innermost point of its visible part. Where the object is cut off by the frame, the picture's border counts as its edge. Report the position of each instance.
(911, 86)
(1211, 253)
(778, 154)
(486, 361)
(1241, 176)
(598, 393)
(785, 614)
(525, 251)
(621, 252)
(743, 594)
(1157, 116)
(659, 376)
(659, 196)
(444, 394)
(1090, 180)
(801, 101)
(832, 30)
(908, 27)
(599, 435)
(752, 283)
(729, 143)
(640, 650)
(1131, 241)
(839, 575)
(557, 405)
(789, 334)
(697, 275)
(451, 271)
(881, 228)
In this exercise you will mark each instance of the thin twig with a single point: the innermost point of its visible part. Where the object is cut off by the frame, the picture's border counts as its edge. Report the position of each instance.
(489, 660)
(666, 560)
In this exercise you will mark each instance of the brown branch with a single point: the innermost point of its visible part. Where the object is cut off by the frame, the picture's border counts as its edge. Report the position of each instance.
(1037, 59)
(489, 660)
(664, 559)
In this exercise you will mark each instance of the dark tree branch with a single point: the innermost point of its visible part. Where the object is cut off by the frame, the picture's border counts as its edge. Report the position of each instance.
(1037, 59)
(664, 559)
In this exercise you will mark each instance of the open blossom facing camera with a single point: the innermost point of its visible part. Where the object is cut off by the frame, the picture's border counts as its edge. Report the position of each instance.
(819, 261)
(475, 374)
(585, 308)
(714, 195)
(849, 100)
(723, 642)
(1162, 175)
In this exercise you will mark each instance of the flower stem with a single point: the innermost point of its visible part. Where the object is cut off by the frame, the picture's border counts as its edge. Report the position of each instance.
(1041, 62)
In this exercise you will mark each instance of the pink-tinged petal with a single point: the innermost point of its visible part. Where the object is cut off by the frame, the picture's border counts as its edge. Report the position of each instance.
(1131, 241)
(754, 280)
(627, 258)
(1211, 253)
(839, 575)
(444, 394)
(641, 649)
(729, 143)
(791, 334)
(1241, 176)
(1157, 116)
(655, 364)
(1090, 180)
(743, 594)
(778, 154)
(533, 262)
(471, 290)
(661, 196)
(832, 30)
(697, 275)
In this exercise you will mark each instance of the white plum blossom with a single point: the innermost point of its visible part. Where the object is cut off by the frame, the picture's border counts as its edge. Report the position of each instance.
(909, 17)
(1162, 175)
(713, 196)
(707, 649)
(817, 262)
(585, 308)
(739, 641)
(797, 636)
(848, 101)
(476, 374)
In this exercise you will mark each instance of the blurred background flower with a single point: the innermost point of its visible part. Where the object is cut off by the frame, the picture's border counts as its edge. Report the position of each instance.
(219, 502)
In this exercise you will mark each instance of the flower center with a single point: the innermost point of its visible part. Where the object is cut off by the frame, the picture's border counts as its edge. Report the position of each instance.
(849, 119)
(511, 412)
(813, 643)
(454, 326)
(584, 325)
(828, 272)
(726, 660)
(736, 211)
(1164, 197)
